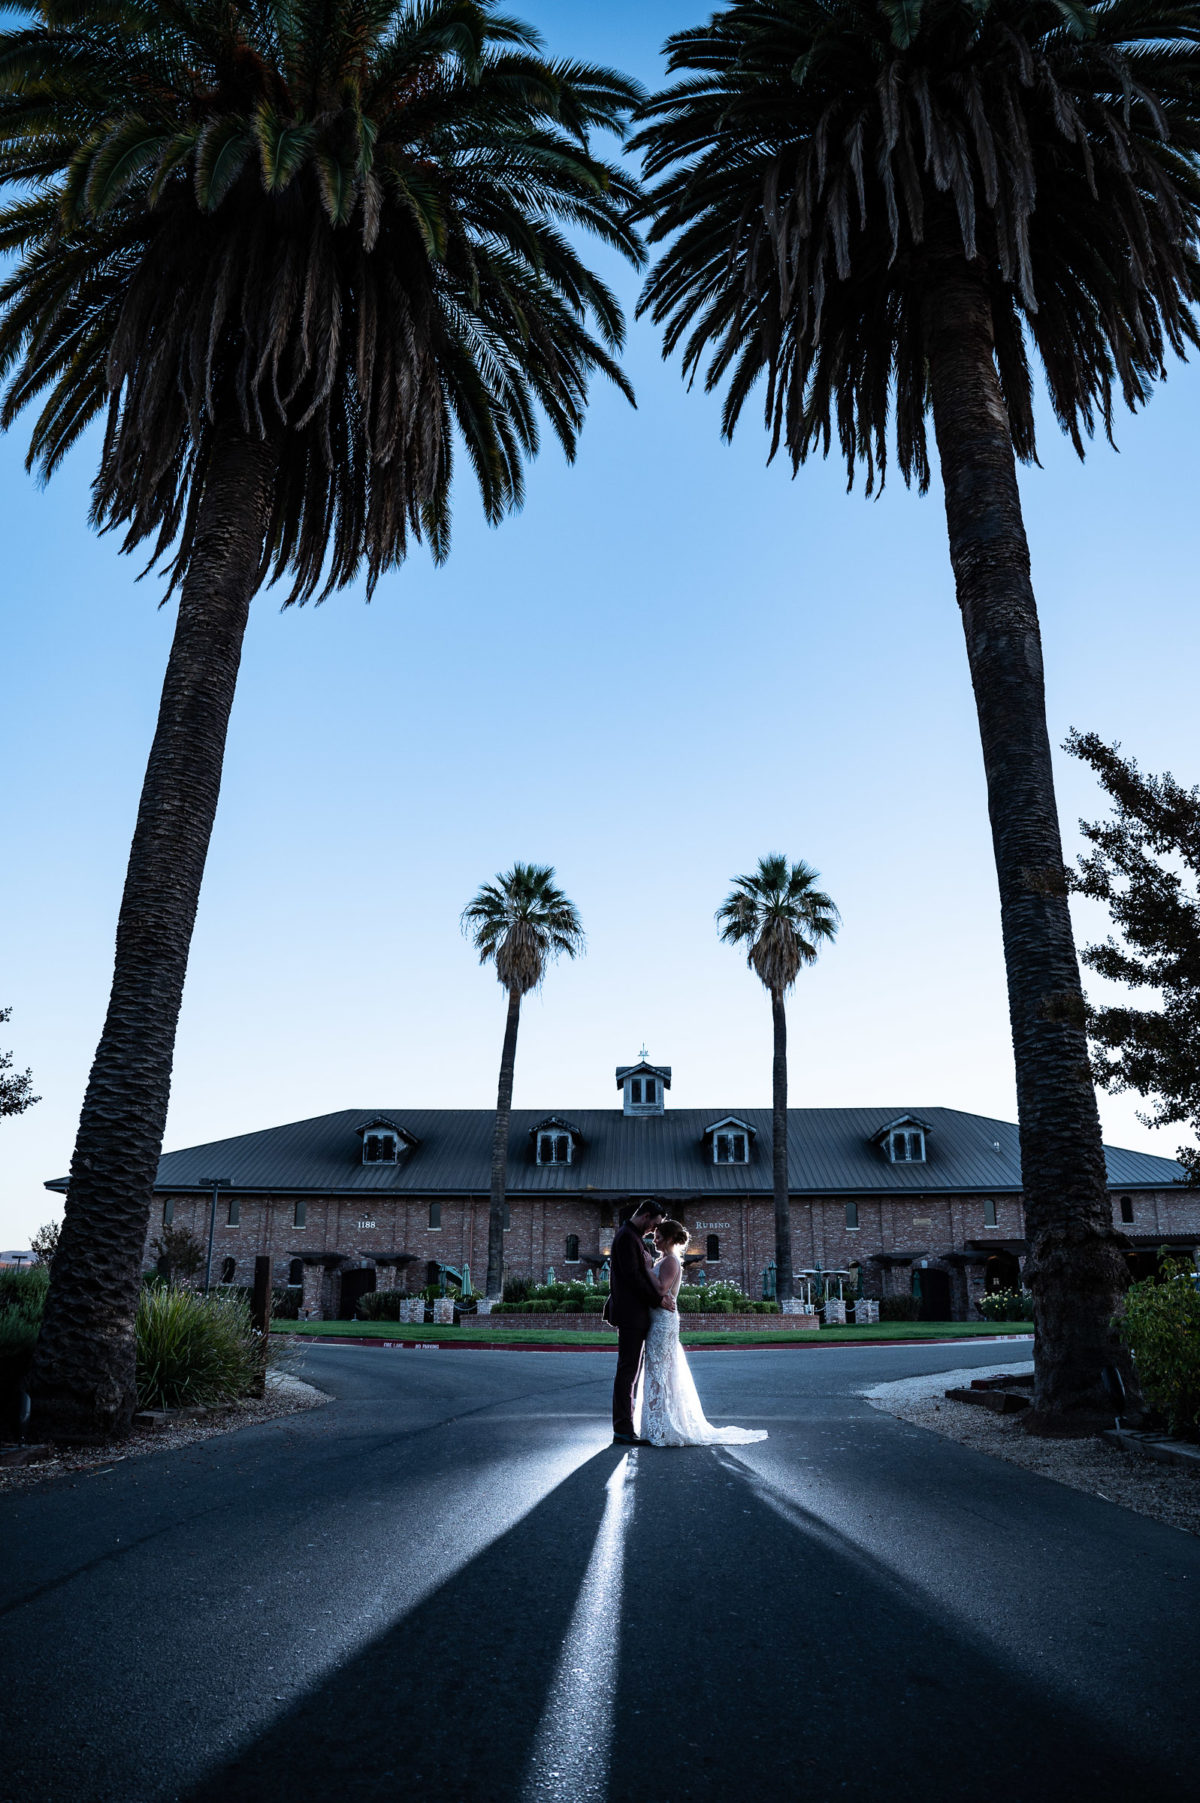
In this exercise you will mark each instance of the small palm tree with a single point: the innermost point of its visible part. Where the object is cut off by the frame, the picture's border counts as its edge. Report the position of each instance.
(782, 919)
(288, 251)
(886, 210)
(518, 923)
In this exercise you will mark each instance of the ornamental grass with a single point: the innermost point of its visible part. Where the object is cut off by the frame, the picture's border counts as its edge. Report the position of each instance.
(193, 1350)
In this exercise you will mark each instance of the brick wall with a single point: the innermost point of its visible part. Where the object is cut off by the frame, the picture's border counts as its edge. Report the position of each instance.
(367, 1232)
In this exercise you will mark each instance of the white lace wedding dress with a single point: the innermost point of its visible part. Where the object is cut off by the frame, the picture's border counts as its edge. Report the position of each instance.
(668, 1411)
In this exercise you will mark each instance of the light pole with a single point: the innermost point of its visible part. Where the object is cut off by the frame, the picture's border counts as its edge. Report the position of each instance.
(213, 1183)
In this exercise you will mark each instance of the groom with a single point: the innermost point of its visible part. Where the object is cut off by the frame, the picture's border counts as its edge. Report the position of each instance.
(631, 1297)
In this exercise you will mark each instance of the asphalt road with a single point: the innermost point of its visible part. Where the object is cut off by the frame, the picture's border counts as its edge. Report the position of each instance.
(449, 1584)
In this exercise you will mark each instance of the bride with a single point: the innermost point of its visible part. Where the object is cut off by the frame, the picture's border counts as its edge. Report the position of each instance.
(668, 1404)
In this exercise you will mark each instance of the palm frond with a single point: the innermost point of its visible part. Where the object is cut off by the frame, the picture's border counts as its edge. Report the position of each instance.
(520, 923)
(353, 226)
(819, 165)
(780, 917)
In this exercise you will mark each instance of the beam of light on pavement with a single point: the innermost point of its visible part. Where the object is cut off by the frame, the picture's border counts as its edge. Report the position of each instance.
(442, 1533)
(569, 1762)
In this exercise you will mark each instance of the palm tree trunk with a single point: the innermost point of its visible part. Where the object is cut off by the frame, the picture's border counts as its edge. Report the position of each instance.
(1075, 1267)
(784, 1287)
(508, 1059)
(83, 1380)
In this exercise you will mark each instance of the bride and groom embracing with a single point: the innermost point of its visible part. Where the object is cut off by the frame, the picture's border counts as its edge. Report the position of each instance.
(642, 1306)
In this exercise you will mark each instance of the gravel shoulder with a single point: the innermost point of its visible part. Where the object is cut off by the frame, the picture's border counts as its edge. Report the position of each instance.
(1166, 1495)
(286, 1395)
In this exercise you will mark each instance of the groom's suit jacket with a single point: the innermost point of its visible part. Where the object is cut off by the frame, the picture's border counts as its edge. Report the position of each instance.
(631, 1290)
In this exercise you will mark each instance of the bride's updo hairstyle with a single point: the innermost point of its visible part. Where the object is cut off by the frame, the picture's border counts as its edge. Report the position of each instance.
(673, 1232)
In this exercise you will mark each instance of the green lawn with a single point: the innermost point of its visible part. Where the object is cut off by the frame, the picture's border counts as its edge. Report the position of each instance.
(543, 1335)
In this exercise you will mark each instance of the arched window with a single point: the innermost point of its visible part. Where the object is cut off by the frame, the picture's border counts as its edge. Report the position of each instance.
(235, 1212)
(228, 1268)
(1127, 1210)
(299, 1214)
(712, 1248)
(296, 1271)
(506, 1217)
(572, 1248)
(852, 1216)
(168, 1211)
(989, 1213)
(435, 1215)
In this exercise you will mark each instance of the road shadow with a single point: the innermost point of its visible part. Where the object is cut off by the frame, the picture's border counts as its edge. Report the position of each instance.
(758, 1651)
(762, 1650)
(449, 1700)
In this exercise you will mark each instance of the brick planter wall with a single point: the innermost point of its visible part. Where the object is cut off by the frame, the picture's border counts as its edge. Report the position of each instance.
(689, 1323)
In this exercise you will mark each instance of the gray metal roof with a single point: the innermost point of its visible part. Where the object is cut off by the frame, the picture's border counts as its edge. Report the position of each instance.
(829, 1152)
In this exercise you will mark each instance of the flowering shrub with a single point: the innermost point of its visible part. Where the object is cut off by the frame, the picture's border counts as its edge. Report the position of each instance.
(1161, 1324)
(1005, 1305)
(715, 1299)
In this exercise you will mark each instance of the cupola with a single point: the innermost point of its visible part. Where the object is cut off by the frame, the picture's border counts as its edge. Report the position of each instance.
(644, 1086)
(383, 1142)
(555, 1141)
(902, 1141)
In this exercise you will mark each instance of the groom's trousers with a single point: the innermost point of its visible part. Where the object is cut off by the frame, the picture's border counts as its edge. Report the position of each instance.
(631, 1343)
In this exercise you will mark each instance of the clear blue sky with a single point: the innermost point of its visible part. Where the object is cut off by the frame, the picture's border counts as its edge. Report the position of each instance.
(673, 660)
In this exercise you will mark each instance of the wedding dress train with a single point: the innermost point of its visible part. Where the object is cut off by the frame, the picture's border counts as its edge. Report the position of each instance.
(668, 1405)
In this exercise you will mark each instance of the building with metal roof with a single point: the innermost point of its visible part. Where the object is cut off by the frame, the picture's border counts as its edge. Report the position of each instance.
(389, 1195)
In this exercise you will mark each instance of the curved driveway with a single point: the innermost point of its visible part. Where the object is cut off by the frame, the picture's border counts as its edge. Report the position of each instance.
(448, 1584)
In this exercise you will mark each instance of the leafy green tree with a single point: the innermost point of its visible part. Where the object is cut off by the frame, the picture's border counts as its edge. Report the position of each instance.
(1145, 867)
(16, 1087)
(286, 252)
(782, 919)
(878, 211)
(519, 923)
(44, 1243)
(178, 1249)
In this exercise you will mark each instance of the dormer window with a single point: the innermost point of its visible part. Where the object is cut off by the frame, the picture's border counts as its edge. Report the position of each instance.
(730, 1148)
(383, 1141)
(730, 1140)
(644, 1086)
(908, 1146)
(554, 1148)
(555, 1141)
(902, 1141)
(380, 1148)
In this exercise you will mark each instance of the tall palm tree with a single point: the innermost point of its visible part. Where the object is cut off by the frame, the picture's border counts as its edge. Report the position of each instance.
(518, 923)
(881, 208)
(287, 250)
(782, 919)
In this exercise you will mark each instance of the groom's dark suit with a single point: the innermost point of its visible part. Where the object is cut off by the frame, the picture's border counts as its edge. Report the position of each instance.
(632, 1296)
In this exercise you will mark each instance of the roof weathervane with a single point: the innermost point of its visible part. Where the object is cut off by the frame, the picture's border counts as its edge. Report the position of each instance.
(643, 1053)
